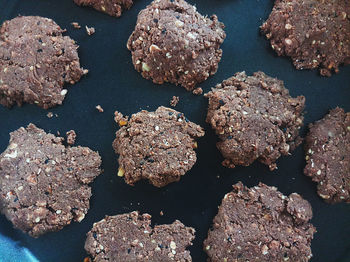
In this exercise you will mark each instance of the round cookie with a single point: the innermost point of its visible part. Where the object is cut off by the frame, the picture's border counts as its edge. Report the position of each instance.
(110, 7)
(43, 184)
(260, 224)
(315, 34)
(327, 150)
(36, 61)
(158, 146)
(255, 119)
(130, 237)
(173, 43)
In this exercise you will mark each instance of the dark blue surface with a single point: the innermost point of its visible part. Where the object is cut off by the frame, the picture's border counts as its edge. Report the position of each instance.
(115, 85)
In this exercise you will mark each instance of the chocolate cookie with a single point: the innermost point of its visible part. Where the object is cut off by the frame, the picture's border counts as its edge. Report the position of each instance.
(313, 33)
(173, 43)
(43, 184)
(255, 119)
(130, 237)
(158, 146)
(260, 224)
(110, 7)
(36, 60)
(328, 156)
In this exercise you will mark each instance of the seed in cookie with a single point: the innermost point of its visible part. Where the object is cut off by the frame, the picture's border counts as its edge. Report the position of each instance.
(255, 119)
(130, 237)
(158, 146)
(315, 34)
(260, 224)
(36, 61)
(110, 7)
(327, 150)
(43, 184)
(173, 43)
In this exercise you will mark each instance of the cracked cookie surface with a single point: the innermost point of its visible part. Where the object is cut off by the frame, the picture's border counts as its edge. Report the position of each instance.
(36, 60)
(327, 150)
(43, 184)
(255, 119)
(173, 43)
(158, 146)
(130, 237)
(315, 34)
(260, 224)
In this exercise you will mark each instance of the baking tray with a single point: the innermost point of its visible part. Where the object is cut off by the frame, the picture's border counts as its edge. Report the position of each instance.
(114, 84)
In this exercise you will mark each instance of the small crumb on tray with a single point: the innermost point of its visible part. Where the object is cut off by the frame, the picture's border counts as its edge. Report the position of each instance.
(174, 101)
(49, 115)
(198, 91)
(90, 30)
(99, 108)
(75, 25)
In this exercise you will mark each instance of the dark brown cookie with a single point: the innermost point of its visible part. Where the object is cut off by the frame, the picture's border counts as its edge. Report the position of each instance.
(44, 185)
(260, 224)
(255, 119)
(328, 156)
(173, 43)
(315, 34)
(36, 61)
(158, 146)
(110, 7)
(130, 237)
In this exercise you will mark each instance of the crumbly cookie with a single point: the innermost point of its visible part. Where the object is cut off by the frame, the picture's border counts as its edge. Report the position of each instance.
(255, 119)
(44, 185)
(36, 60)
(158, 146)
(260, 224)
(110, 7)
(173, 43)
(130, 237)
(315, 34)
(328, 156)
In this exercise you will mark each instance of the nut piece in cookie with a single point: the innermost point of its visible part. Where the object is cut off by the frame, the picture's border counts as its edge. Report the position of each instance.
(130, 237)
(158, 146)
(255, 119)
(173, 43)
(315, 34)
(327, 150)
(260, 224)
(43, 184)
(36, 60)
(110, 7)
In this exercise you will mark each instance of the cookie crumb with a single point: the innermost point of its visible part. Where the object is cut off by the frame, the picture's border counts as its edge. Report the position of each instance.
(99, 109)
(90, 30)
(174, 101)
(49, 115)
(85, 71)
(161, 213)
(198, 91)
(120, 119)
(75, 25)
(71, 136)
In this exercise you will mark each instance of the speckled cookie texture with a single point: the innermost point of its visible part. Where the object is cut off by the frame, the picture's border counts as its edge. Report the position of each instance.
(157, 146)
(328, 156)
(110, 7)
(255, 119)
(36, 60)
(43, 184)
(130, 237)
(315, 34)
(260, 224)
(173, 43)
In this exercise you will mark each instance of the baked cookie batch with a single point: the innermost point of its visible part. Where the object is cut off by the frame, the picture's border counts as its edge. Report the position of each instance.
(254, 117)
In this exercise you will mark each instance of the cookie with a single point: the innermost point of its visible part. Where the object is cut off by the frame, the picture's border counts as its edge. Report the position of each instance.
(43, 184)
(255, 119)
(173, 43)
(315, 34)
(327, 150)
(260, 224)
(110, 7)
(36, 61)
(157, 146)
(130, 237)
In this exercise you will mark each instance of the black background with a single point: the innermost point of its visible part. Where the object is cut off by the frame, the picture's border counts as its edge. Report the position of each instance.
(114, 84)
